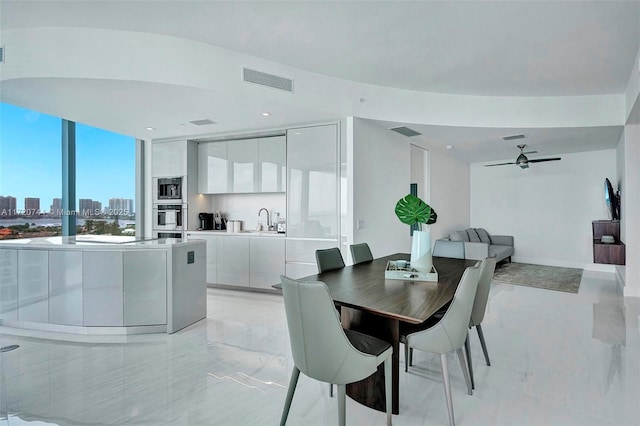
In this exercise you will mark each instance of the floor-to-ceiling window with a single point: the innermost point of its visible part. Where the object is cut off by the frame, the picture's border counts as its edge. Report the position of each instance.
(31, 202)
(105, 182)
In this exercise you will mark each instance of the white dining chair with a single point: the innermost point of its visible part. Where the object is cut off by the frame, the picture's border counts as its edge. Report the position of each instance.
(324, 351)
(450, 333)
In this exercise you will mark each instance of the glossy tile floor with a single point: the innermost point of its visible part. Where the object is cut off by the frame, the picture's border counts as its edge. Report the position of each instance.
(557, 359)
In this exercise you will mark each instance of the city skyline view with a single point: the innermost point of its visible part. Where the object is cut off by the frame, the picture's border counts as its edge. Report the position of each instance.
(30, 160)
(84, 207)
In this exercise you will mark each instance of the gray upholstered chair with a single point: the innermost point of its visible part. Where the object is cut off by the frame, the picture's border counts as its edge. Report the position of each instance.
(329, 259)
(323, 350)
(361, 253)
(487, 268)
(450, 333)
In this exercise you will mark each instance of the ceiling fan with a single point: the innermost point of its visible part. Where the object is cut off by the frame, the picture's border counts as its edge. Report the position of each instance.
(523, 161)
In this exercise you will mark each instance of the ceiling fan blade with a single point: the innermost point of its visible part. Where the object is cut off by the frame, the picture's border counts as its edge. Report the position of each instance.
(530, 152)
(501, 164)
(542, 160)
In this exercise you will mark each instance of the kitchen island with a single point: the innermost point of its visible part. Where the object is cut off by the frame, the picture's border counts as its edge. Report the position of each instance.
(94, 284)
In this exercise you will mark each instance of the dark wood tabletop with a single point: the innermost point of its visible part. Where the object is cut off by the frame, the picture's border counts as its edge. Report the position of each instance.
(364, 287)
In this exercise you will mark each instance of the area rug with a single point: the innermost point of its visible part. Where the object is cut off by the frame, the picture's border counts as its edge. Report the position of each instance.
(539, 276)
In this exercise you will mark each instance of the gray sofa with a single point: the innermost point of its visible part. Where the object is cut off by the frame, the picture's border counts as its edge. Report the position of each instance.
(476, 244)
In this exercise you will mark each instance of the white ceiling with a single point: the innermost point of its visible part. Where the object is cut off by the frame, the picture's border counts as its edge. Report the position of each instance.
(509, 48)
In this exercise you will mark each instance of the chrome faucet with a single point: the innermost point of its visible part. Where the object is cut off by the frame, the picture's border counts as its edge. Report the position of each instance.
(268, 223)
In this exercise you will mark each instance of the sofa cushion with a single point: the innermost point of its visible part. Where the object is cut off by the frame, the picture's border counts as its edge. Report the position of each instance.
(484, 235)
(500, 252)
(473, 235)
(459, 236)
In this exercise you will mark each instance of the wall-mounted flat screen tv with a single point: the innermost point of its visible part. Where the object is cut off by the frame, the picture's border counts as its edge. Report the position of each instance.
(612, 200)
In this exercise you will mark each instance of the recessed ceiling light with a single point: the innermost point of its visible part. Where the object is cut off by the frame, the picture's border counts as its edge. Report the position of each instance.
(449, 146)
(151, 128)
(266, 114)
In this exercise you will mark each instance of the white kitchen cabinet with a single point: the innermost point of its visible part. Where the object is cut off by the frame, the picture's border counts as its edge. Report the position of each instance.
(33, 286)
(169, 159)
(242, 166)
(103, 288)
(233, 261)
(267, 261)
(243, 163)
(65, 287)
(145, 289)
(272, 156)
(312, 182)
(9, 284)
(213, 168)
(211, 253)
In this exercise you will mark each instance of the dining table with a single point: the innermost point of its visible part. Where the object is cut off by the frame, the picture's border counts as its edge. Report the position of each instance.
(372, 304)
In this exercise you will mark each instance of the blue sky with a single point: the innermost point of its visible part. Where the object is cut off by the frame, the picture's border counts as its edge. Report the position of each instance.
(30, 159)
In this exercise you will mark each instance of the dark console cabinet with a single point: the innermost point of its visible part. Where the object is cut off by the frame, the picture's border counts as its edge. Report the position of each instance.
(612, 253)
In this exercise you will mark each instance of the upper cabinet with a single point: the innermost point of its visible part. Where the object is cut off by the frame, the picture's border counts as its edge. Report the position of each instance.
(312, 182)
(213, 168)
(242, 166)
(169, 159)
(272, 155)
(243, 163)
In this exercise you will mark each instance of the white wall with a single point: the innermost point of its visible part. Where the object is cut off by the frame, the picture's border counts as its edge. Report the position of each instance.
(381, 174)
(548, 208)
(245, 207)
(449, 193)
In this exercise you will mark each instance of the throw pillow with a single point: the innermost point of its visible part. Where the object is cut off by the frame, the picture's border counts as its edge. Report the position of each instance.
(473, 235)
(458, 236)
(484, 235)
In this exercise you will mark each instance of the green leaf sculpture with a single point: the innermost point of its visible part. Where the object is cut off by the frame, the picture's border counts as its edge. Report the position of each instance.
(412, 210)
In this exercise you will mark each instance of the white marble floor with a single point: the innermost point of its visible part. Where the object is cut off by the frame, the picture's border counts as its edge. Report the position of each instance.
(557, 359)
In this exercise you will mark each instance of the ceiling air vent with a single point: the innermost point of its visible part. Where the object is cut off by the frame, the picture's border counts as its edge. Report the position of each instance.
(203, 122)
(513, 137)
(264, 79)
(405, 131)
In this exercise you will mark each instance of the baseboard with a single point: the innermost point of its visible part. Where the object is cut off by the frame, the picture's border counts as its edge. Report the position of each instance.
(597, 267)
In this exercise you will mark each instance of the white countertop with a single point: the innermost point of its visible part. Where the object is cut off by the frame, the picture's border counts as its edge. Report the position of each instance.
(96, 242)
(240, 234)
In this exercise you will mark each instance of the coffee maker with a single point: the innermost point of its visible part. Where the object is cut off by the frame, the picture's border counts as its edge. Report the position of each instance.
(206, 221)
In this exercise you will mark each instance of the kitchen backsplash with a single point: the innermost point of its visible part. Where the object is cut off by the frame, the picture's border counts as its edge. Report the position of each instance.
(245, 207)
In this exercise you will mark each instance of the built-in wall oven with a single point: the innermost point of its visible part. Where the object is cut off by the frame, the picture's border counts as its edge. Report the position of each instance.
(169, 190)
(169, 217)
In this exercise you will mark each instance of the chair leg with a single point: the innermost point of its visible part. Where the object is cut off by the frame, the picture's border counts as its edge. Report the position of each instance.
(388, 389)
(484, 345)
(410, 357)
(465, 371)
(342, 407)
(406, 357)
(447, 387)
(292, 388)
(331, 390)
(467, 349)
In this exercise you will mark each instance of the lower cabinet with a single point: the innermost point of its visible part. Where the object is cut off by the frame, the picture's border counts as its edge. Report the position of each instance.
(232, 261)
(103, 294)
(255, 262)
(65, 287)
(145, 289)
(267, 262)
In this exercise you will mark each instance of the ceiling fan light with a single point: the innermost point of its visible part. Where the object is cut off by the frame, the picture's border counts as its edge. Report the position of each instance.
(522, 159)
